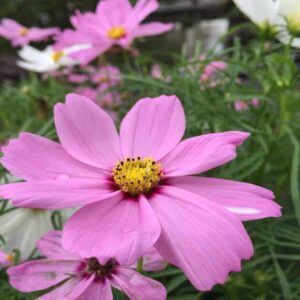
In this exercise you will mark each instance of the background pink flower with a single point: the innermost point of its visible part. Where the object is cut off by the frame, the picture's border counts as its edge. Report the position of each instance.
(81, 278)
(136, 189)
(115, 22)
(212, 68)
(20, 35)
(109, 75)
(241, 105)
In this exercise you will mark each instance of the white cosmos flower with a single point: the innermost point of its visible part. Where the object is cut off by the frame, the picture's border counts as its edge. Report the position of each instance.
(48, 59)
(261, 12)
(22, 227)
(288, 21)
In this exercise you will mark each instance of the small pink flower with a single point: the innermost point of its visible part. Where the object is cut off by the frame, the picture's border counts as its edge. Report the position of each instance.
(241, 105)
(78, 78)
(115, 22)
(211, 69)
(255, 102)
(135, 188)
(80, 277)
(88, 92)
(20, 35)
(156, 73)
(109, 75)
(6, 260)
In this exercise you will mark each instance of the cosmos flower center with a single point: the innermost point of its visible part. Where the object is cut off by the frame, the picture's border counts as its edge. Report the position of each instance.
(136, 175)
(94, 266)
(293, 24)
(23, 31)
(10, 258)
(57, 55)
(117, 32)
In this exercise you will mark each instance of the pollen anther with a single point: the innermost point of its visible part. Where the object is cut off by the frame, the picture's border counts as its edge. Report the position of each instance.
(23, 31)
(137, 175)
(57, 55)
(117, 32)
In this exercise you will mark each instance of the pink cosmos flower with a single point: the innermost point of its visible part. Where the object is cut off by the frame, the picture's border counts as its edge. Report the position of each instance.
(81, 278)
(240, 105)
(211, 69)
(157, 73)
(88, 92)
(20, 35)
(136, 189)
(109, 75)
(78, 78)
(115, 22)
(102, 97)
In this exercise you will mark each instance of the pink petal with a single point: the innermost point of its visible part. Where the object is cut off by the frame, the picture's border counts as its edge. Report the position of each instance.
(57, 194)
(72, 289)
(202, 153)
(50, 245)
(200, 237)
(70, 37)
(87, 55)
(137, 286)
(152, 28)
(247, 201)
(121, 229)
(113, 12)
(40, 274)
(153, 127)
(98, 290)
(152, 261)
(39, 34)
(87, 132)
(141, 11)
(33, 157)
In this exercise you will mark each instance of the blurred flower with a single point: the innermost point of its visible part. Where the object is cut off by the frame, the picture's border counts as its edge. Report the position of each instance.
(6, 259)
(280, 17)
(78, 78)
(156, 73)
(22, 227)
(261, 12)
(109, 75)
(47, 60)
(241, 105)
(288, 21)
(80, 277)
(90, 93)
(20, 35)
(115, 22)
(135, 188)
(212, 68)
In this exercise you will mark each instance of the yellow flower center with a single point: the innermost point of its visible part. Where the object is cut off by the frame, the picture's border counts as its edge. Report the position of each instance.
(23, 31)
(57, 55)
(136, 175)
(117, 32)
(293, 24)
(10, 258)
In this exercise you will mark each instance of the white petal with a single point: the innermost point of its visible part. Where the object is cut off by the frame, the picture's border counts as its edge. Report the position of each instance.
(259, 11)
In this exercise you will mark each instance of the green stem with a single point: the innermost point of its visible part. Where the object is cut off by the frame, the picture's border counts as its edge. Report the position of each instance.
(139, 267)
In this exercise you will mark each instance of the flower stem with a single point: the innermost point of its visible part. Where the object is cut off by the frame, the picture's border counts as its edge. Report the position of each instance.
(139, 267)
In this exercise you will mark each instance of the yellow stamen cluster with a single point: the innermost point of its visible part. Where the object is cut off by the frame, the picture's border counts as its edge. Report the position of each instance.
(117, 32)
(23, 31)
(136, 175)
(57, 55)
(10, 258)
